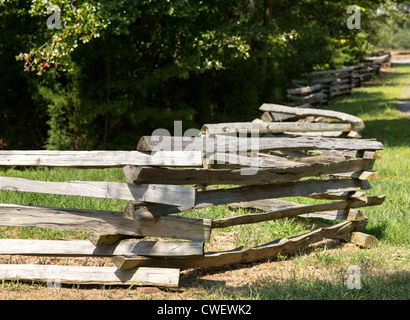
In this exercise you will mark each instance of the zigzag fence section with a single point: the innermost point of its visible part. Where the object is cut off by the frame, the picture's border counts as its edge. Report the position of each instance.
(324, 158)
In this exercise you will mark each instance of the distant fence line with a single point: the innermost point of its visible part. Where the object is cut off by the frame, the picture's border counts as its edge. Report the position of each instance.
(319, 88)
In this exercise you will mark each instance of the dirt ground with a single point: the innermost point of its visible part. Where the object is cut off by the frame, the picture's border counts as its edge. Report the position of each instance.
(194, 283)
(403, 57)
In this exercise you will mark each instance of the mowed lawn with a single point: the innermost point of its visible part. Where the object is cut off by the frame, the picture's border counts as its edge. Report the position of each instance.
(376, 105)
(318, 274)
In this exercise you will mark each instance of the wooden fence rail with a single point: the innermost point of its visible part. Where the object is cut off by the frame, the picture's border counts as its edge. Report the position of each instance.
(99, 159)
(100, 189)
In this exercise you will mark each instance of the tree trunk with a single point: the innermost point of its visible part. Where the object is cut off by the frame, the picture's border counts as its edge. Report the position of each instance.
(267, 20)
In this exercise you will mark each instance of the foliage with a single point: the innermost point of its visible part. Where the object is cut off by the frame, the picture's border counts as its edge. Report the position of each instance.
(116, 70)
(392, 36)
(392, 29)
(21, 120)
(184, 38)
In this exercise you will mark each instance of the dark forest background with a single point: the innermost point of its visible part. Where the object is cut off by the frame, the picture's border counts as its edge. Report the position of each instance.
(116, 70)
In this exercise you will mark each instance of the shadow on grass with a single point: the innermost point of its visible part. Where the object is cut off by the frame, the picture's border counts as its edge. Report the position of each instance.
(287, 283)
(392, 133)
(378, 231)
(389, 286)
(385, 123)
(375, 102)
(392, 286)
(385, 76)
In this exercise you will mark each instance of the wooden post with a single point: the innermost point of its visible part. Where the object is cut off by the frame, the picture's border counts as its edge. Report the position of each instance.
(364, 240)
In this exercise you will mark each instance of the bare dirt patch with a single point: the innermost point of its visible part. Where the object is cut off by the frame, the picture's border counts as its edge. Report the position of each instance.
(194, 283)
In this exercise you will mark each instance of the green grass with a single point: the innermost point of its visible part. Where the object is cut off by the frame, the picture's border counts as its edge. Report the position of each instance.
(375, 104)
(385, 269)
(49, 200)
(322, 276)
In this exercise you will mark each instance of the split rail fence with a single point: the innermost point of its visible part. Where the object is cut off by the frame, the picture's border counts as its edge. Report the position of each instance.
(322, 157)
(319, 88)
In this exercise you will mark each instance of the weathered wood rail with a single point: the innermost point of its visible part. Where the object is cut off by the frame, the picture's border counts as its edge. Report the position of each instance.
(169, 176)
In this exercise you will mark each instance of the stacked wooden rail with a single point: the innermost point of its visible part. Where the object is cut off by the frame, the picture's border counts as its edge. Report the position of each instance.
(302, 94)
(339, 170)
(170, 175)
(318, 88)
(376, 61)
(106, 228)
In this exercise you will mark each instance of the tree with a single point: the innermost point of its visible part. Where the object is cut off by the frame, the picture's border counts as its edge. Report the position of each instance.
(22, 122)
(145, 45)
(111, 71)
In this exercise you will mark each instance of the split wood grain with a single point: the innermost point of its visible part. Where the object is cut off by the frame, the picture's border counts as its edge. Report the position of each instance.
(161, 277)
(352, 153)
(170, 143)
(329, 134)
(364, 240)
(361, 175)
(291, 158)
(73, 248)
(276, 116)
(142, 210)
(147, 175)
(264, 205)
(355, 121)
(330, 211)
(211, 144)
(157, 193)
(175, 227)
(340, 195)
(99, 159)
(232, 161)
(273, 127)
(277, 204)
